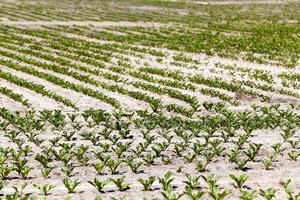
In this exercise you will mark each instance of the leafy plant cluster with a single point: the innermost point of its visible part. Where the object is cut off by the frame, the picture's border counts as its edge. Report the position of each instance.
(122, 142)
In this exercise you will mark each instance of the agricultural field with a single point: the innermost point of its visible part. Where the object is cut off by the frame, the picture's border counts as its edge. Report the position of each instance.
(150, 99)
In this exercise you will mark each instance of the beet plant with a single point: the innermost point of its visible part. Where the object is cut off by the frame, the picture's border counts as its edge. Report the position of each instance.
(291, 194)
(5, 170)
(68, 169)
(71, 185)
(294, 143)
(149, 159)
(113, 165)
(18, 193)
(147, 183)
(239, 180)
(201, 166)
(134, 166)
(192, 182)
(45, 189)
(189, 158)
(43, 160)
(268, 194)
(21, 167)
(166, 160)
(2, 184)
(252, 152)
(46, 172)
(166, 181)
(99, 166)
(192, 194)
(169, 194)
(278, 148)
(98, 184)
(293, 155)
(248, 195)
(120, 183)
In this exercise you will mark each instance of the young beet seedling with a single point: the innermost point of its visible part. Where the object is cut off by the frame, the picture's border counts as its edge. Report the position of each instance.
(192, 182)
(287, 134)
(216, 194)
(239, 180)
(190, 157)
(71, 185)
(253, 151)
(99, 167)
(201, 166)
(99, 185)
(5, 170)
(241, 163)
(22, 169)
(120, 183)
(44, 188)
(211, 180)
(149, 159)
(147, 183)
(157, 150)
(193, 195)
(291, 194)
(166, 160)
(268, 194)
(293, 155)
(2, 184)
(19, 193)
(171, 195)
(294, 143)
(166, 181)
(267, 163)
(46, 172)
(247, 195)
(155, 105)
(285, 183)
(113, 165)
(278, 148)
(68, 169)
(134, 166)
(43, 160)
(289, 191)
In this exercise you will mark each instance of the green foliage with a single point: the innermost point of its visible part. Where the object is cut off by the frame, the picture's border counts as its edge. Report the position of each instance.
(71, 185)
(44, 188)
(120, 183)
(98, 184)
(239, 180)
(147, 183)
(268, 193)
(166, 181)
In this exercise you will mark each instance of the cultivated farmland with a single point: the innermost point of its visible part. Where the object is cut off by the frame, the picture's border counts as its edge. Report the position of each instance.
(149, 99)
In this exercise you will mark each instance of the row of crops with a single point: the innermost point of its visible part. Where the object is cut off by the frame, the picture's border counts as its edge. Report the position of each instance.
(133, 72)
(119, 152)
(256, 32)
